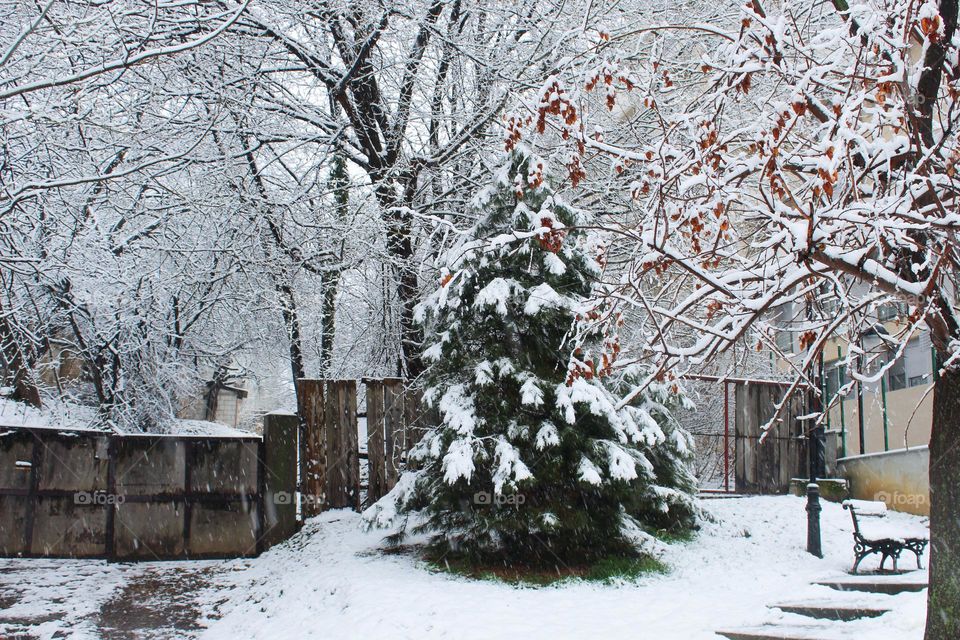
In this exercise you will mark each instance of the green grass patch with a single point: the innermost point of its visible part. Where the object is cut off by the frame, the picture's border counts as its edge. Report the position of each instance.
(605, 571)
(673, 537)
(611, 570)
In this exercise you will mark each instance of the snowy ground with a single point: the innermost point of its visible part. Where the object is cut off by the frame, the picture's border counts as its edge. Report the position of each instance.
(331, 581)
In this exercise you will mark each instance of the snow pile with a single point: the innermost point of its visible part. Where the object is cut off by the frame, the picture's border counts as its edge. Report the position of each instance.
(203, 428)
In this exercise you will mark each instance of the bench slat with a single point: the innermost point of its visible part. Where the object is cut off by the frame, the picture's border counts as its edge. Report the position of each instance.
(891, 531)
(867, 507)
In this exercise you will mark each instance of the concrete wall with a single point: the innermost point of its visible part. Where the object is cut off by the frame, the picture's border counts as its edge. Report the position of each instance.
(280, 436)
(133, 497)
(899, 478)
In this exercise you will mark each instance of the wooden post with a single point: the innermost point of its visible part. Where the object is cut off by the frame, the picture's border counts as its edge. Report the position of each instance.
(414, 418)
(883, 400)
(726, 436)
(376, 470)
(841, 376)
(393, 428)
(312, 447)
(353, 446)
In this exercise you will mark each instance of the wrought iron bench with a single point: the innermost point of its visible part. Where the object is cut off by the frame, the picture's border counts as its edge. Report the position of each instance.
(887, 540)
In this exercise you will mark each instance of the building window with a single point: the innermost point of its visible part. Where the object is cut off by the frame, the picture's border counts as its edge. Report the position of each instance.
(830, 306)
(919, 362)
(785, 341)
(916, 381)
(890, 311)
(834, 378)
(896, 376)
(783, 318)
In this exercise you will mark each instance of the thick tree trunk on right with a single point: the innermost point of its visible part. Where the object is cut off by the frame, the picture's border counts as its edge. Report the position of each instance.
(943, 601)
(400, 252)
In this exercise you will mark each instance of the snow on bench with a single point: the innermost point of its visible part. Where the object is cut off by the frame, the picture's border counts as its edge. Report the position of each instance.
(876, 535)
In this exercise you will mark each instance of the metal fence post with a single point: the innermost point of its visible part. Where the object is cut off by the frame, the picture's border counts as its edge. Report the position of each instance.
(883, 400)
(841, 376)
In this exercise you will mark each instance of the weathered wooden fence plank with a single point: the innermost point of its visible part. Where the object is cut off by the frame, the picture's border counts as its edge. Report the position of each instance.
(766, 467)
(414, 417)
(343, 461)
(376, 470)
(331, 412)
(310, 394)
(352, 443)
(393, 426)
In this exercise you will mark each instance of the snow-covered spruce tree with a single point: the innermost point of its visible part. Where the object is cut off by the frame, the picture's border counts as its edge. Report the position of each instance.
(532, 463)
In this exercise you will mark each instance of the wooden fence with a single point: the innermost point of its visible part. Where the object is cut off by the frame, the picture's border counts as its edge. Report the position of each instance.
(331, 435)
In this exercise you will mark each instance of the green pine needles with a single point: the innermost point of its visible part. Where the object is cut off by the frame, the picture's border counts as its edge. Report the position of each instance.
(531, 462)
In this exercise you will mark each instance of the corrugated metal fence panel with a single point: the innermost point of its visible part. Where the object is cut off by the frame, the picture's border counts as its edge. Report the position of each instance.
(135, 497)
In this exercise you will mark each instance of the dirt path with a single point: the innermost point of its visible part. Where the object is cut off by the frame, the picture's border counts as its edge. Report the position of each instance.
(156, 604)
(95, 599)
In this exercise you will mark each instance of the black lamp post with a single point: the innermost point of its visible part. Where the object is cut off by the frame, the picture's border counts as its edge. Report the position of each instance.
(816, 463)
(816, 459)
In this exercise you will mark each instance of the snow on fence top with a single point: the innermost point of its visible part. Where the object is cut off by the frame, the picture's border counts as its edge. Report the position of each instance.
(68, 417)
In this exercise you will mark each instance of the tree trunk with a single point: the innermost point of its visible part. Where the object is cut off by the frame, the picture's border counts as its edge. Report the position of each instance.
(24, 388)
(291, 319)
(400, 250)
(328, 320)
(411, 335)
(330, 280)
(213, 398)
(943, 600)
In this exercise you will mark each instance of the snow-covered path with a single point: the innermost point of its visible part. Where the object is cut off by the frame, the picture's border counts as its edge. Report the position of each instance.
(331, 581)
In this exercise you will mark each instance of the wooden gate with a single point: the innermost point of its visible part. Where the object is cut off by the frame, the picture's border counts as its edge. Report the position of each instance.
(767, 467)
(393, 427)
(329, 455)
(331, 434)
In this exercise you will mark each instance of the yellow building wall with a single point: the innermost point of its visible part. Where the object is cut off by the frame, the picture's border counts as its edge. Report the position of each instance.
(909, 420)
(893, 470)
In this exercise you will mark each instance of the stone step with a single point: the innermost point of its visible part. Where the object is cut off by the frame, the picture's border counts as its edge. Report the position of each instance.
(831, 611)
(778, 632)
(891, 587)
